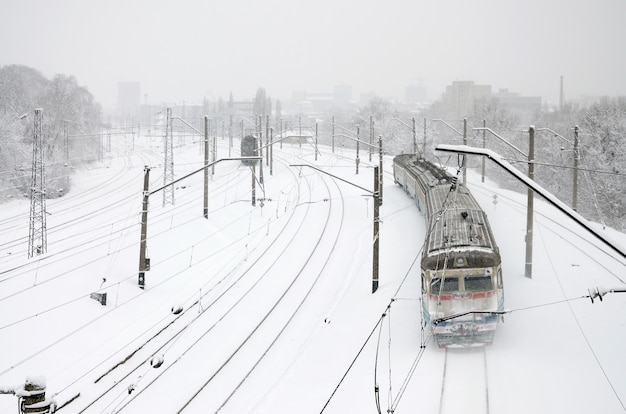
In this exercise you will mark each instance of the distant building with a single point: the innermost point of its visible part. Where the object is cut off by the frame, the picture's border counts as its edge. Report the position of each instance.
(128, 100)
(460, 96)
(319, 103)
(517, 103)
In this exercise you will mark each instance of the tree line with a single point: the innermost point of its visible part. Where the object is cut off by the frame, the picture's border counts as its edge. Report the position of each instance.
(71, 118)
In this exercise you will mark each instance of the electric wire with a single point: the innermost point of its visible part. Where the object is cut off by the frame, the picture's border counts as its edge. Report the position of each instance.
(579, 325)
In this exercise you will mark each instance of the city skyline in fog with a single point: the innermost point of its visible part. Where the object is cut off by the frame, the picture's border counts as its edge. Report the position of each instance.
(192, 49)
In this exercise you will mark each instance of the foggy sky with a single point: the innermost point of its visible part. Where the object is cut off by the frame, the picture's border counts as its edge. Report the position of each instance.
(189, 49)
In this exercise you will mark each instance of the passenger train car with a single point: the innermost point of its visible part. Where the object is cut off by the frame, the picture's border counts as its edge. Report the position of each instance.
(462, 289)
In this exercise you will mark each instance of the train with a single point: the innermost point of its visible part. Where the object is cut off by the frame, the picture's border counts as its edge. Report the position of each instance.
(249, 147)
(461, 268)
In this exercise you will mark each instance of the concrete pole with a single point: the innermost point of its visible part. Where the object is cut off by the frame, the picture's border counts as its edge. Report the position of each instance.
(206, 170)
(230, 135)
(371, 138)
(144, 264)
(530, 204)
(576, 159)
(414, 137)
(482, 177)
(464, 162)
(253, 169)
(267, 139)
(300, 131)
(375, 251)
(333, 134)
(271, 151)
(357, 150)
(424, 144)
(380, 160)
(316, 141)
(214, 156)
(260, 154)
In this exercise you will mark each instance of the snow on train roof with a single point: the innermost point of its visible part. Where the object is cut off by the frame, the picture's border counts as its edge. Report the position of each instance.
(456, 219)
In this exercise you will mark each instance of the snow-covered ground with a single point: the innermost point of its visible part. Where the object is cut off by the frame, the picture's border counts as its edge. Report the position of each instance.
(277, 311)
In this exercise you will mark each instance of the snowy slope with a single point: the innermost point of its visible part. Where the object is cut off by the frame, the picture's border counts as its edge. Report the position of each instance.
(277, 299)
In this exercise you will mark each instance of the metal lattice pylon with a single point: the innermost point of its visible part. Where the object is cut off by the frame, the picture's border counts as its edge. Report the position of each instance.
(168, 164)
(37, 237)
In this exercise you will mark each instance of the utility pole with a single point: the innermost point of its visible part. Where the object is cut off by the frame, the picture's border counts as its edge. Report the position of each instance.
(357, 150)
(38, 234)
(530, 204)
(414, 137)
(230, 134)
(267, 139)
(253, 168)
(206, 170)
(576, 159)
(375, 194)
(316, 141)
(375, 252)
(272, 151)
(482, 177)
(371, 138)
(333, 134)
(424, 144)
(464, 162)
(300, 131)
(380, 160)
(144, 262)
(168, 163)
(214, 156)
(260, 149)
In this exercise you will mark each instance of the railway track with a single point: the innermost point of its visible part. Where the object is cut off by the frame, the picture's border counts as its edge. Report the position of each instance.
(116, 391)
(464, 385)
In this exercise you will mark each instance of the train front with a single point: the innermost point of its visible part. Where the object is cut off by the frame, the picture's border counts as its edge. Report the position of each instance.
(461, 298)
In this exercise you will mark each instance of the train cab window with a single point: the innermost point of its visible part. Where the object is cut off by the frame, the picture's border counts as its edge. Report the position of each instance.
(450, 284)
(499, 278)
(477, 283)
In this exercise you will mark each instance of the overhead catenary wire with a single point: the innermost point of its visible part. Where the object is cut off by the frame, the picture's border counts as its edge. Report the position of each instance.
(580, 328)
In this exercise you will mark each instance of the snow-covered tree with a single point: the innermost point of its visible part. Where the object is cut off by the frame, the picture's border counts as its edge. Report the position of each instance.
(68, 109)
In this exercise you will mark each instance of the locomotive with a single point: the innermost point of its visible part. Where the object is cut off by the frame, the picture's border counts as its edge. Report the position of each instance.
(462, 290)
(249, 149)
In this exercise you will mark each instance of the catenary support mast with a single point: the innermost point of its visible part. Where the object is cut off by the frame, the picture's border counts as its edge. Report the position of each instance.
(37, 236)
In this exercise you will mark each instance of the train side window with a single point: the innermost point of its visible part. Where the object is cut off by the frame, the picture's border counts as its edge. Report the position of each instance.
(499, 278)
(477, 283)
(450, 284)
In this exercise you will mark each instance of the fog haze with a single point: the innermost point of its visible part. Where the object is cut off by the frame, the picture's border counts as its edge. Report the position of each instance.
(190, 49)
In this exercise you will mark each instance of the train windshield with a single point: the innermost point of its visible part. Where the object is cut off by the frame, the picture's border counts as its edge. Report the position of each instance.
(477, 283)
(450, 284)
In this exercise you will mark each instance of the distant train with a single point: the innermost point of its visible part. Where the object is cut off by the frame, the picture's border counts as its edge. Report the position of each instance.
(249, 149)
(462, 289)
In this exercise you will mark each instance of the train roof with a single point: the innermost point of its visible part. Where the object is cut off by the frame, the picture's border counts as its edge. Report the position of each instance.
(455, 218)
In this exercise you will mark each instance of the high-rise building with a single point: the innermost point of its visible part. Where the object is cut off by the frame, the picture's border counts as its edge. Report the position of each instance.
(461, 95)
